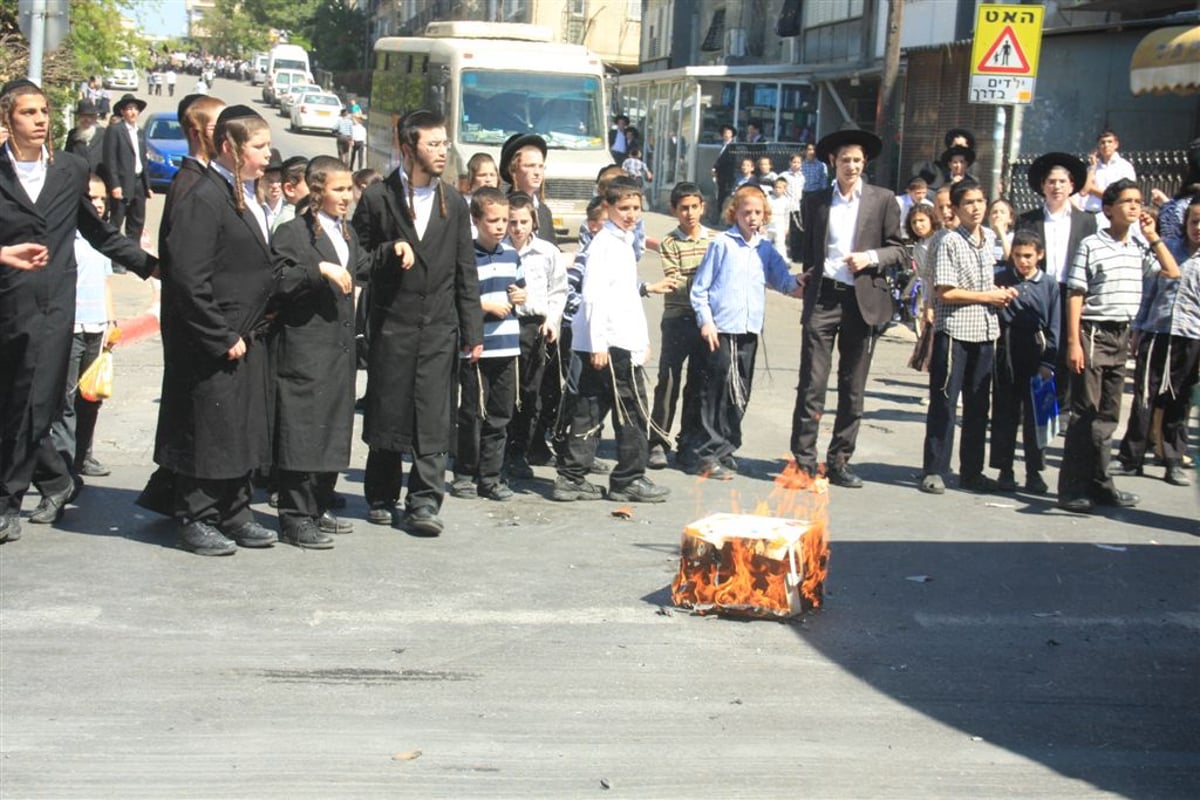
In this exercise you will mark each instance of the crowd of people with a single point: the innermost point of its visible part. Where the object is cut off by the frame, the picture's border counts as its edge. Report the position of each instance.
(488, 351)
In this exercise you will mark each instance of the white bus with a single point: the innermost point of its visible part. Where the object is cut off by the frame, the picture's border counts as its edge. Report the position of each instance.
(492, 80)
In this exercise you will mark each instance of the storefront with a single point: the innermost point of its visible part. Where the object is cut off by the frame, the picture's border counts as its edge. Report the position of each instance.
(679, 114)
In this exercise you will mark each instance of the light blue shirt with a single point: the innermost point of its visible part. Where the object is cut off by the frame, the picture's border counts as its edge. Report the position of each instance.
(730, 285)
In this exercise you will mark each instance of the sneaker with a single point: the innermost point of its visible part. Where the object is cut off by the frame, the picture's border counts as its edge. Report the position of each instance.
(305, 532)
(423, 521)
(381, 513)
(251, 534)
(1007, 482)
(658, 457)
(463, 487)
(328, 523)
(205, 540)
(640, 491)
(496, 491)
(10, 526)
(980, 483)
(1176, 475)
(1034, 483)
(933, 484)
(566, 490)
(712, 470)
(92, 468)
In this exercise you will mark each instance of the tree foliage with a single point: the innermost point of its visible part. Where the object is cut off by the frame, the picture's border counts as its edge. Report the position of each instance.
(338, 34)
(233, 31)
(98, 39)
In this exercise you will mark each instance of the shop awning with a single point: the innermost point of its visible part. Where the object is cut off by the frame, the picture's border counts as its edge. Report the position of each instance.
(1167, 60)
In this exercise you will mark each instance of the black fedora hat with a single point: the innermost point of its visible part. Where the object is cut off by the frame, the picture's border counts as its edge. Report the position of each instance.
(125, 100)
(1042, 165)
(276, 162)
(957, 150)
(849, 134)
(954, 133)
(86, 107)
(517, 142)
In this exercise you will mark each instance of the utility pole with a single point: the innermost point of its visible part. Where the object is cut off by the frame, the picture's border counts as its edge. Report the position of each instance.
(885, 107)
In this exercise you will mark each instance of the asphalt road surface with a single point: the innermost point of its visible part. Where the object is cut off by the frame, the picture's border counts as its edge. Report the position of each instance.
(970, 646)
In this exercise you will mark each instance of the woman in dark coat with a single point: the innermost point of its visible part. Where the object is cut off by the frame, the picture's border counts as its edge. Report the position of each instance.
(217, 280)
(43, 202)
(317, 258)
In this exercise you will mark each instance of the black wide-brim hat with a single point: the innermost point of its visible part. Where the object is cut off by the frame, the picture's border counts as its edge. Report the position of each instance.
(871, 144)
(958, 150)
(275, 164)
(86, 106)
(954, 133)
(516, 142)
(126, 100)
(1042, 165)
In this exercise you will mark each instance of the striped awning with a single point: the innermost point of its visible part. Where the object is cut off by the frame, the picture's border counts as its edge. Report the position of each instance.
(1167, 60)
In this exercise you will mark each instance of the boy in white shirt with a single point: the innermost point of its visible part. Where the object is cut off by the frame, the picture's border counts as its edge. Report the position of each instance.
(611, 343)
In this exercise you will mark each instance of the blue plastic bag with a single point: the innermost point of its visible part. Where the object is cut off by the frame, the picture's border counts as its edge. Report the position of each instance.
(1044, 396)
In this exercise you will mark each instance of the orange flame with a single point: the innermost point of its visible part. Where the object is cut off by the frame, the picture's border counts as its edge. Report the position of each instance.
(741, 576)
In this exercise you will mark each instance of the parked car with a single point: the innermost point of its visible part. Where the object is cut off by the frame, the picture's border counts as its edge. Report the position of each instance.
(287, 98)
(166, 146)
(278, 81)
(316, 111)
(124, 76)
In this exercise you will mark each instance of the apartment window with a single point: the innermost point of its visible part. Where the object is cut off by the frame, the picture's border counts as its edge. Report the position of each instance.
(634, 11)
(829, 11)
(578, 8)
(714, 39)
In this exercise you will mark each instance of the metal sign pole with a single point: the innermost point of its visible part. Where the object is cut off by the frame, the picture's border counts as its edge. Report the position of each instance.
(37, 40)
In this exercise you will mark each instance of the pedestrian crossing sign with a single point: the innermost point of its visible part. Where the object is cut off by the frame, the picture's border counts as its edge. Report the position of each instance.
(1008, 40)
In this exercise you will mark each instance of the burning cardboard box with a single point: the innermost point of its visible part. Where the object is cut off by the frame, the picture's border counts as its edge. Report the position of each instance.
(762, 564)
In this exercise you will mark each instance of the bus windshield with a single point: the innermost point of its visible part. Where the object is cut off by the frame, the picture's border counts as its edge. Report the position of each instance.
(566, 110)
(290, 63)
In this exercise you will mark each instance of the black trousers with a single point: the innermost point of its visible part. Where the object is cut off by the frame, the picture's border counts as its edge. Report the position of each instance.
(426, 479)
(681, 343)
(558, 363)
(957, 367)
(589, 395)
(131, 211)
(1150, 393)
(724, 391)
(1018, 357)
(1095, 410)
(305, 494)
(531, 365)
(222, 502)
(834, 322)
(487, 393)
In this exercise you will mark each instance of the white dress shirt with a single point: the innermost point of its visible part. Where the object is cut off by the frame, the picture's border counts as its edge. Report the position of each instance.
(333, 229)
(1058, 233)
(843, 222)
(422, 203)
(137, 156)
(31, 174)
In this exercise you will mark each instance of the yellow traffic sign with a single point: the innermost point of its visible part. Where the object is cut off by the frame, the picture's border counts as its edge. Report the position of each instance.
(1008, 40)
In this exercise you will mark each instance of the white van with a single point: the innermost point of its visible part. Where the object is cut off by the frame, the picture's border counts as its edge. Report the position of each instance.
(492, 80)
(288, 56)
(258, 73)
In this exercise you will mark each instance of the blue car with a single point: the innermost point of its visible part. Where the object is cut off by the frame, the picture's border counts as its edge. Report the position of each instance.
(165, 147)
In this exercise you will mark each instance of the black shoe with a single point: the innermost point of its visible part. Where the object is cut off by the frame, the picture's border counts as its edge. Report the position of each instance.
(1034, 483)
(1077, 505)
(251, 534)
(518, 468)
(10, 526)
(729, 463)
(566, 490)
(423, 521)
(205, 540)
(1119, 469)
(93, 468)
(1007, 482)
(463, 487)
(844, 476)
(980, 484)
(51, 507)
(381, 513)
(1116, 498)
(640, 491)
(305, 532)
(496, 491)
(539, 454)
(712, 470)
(328, 523)
(1176, 475)
(657, 458)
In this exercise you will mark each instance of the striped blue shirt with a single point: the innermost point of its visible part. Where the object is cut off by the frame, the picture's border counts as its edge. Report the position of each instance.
(1110, 274)
(498, 269)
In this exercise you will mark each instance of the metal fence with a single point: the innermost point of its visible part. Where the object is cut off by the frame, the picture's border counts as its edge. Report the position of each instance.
(1164, 170)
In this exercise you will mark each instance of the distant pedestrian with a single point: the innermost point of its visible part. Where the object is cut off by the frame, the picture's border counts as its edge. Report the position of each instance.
(358, 141)
(126, 169)
(171, 79)
(345, 136)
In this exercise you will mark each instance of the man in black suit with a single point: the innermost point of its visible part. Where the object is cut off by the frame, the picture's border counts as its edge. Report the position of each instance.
(1061, 226)
(725, 169)
(125, 168)
(86, 139)
(851, 238)
(523, 168)
(618, 138)
(421, 316)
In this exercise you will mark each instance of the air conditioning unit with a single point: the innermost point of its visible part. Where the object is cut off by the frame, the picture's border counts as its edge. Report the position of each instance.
(735, 42)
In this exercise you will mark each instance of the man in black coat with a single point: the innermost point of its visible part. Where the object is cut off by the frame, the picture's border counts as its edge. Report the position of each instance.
(421, 315)
(851, 238)
(43, 200)
(725, 169)
(1061, 227)
(523, 168)
(125, 169)
(86, 139)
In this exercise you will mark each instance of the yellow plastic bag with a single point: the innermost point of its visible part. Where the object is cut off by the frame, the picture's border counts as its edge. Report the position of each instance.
(96, 382)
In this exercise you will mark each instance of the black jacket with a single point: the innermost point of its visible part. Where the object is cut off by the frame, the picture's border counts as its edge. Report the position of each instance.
(119, 163)
(91, 151)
